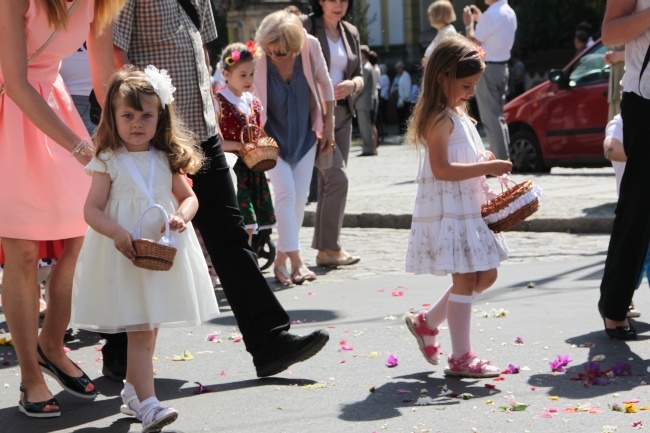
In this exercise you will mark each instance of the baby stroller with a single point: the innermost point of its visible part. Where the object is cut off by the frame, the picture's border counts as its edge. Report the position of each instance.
(264, 248)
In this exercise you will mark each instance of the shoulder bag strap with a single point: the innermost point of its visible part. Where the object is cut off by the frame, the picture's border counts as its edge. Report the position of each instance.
(644, 66)
(191, 12)
(54, 33)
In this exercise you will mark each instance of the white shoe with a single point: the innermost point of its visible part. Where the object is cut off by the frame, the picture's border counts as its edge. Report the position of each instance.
(130, 405)
(158, 417)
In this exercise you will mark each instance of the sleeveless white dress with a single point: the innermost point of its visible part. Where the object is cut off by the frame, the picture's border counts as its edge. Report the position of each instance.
(448, 234)
(110, 294)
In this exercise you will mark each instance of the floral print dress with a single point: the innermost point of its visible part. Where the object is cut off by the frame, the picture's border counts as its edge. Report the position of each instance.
(448, 234)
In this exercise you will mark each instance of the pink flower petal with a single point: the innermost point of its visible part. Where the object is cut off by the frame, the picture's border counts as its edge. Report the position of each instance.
(397, 293)
(391, 361)
(347, 347)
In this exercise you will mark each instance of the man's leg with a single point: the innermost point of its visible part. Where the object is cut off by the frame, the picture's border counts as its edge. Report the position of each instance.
(260, 317)
(490, 98)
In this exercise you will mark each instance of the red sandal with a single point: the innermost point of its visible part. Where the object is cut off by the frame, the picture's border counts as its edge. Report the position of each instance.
(431, 352)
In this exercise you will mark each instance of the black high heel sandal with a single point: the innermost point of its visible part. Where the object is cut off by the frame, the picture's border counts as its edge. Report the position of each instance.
(625, 333)
(43, 409)
(81, 387)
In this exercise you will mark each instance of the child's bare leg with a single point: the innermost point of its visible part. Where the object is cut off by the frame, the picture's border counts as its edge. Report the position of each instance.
(485, 280)
(139, 362)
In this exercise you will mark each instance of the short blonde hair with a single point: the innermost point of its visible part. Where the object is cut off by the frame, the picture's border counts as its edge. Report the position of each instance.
(441, 12)
(281, 31)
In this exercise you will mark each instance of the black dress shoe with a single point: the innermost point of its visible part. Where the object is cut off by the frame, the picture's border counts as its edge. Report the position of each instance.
(42, 409)
(81, 387)
(367, 154)
(290, 351)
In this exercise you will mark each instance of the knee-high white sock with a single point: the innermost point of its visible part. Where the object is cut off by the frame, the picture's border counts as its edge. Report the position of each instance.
(438, 312)
(459, 315)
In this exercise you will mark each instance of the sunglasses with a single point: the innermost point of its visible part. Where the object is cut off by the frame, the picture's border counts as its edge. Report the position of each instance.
(276, 53)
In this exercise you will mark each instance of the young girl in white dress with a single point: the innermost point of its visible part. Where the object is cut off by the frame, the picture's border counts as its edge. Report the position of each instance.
(143, 154)
(448, 235)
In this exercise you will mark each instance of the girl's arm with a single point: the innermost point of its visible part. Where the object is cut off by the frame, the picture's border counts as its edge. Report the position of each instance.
(437, 139)
(188, 204)
(231, 146)
(621, 24)
(13, 58)
(97, 219)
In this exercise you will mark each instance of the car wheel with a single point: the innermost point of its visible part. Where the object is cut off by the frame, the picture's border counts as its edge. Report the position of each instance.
(525, 153)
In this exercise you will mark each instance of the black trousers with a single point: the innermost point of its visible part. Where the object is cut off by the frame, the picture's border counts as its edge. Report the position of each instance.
(259, 315)
(628, 244)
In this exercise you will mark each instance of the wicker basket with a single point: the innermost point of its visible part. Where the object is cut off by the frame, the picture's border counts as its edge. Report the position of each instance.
(149, 254)
(260, 152)
(506, 211)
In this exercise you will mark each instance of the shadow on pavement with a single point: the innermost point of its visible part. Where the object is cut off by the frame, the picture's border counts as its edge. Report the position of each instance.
(385, 401)
(574, 386)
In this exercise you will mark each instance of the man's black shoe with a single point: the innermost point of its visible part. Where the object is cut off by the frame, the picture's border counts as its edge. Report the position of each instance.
(116, 372)
(296, 349)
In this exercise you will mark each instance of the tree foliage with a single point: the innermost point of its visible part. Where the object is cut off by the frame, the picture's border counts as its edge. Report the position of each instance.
(549, 24)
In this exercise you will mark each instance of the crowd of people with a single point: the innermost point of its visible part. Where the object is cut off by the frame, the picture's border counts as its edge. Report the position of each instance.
(159, 145)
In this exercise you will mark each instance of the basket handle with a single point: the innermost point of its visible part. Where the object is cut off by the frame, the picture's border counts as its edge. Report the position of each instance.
(165, 240)
(504, 181)
(248, 129)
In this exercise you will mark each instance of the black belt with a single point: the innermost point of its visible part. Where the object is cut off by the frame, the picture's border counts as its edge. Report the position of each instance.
(342, 102)
(496, 63)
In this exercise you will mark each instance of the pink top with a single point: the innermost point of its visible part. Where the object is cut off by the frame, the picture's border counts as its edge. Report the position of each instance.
(42, 187)
(311, 51)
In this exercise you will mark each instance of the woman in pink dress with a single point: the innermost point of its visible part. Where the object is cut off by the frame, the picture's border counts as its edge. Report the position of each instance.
(43, 148)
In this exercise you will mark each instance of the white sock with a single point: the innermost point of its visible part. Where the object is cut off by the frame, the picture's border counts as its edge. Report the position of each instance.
(146, 405)
(129, 390)
(459, 315)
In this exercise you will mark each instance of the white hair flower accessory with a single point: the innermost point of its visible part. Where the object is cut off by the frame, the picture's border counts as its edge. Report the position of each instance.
(162, 84)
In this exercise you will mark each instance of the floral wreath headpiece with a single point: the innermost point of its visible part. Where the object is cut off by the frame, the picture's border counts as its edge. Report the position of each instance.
(161, 83)
(237, 55)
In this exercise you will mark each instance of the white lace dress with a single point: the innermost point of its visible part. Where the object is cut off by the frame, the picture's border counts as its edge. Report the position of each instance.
(448, 234)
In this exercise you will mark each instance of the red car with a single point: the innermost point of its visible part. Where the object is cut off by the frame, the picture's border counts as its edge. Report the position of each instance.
(561, 122)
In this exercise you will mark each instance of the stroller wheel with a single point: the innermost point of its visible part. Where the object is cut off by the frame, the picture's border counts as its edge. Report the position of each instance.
(264, 248)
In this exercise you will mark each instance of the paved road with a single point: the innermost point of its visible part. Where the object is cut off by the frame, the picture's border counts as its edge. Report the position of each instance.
(545, 294)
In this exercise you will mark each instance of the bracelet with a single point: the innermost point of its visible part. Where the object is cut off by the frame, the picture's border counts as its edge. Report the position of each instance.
(355, 87)
(83, 148)
(468, 27)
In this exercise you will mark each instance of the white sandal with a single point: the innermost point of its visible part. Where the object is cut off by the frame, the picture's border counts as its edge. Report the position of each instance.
(130, 405)
(158, 417)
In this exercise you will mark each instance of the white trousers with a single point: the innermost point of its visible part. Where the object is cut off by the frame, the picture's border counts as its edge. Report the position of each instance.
(290, 184)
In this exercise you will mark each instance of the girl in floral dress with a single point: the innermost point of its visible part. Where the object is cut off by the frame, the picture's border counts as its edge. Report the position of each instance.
(448, 234)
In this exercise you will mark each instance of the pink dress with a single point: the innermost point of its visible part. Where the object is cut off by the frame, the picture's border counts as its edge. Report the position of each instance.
(42, 187)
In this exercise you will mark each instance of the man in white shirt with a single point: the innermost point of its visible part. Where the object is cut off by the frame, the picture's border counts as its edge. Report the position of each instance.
(495, 32)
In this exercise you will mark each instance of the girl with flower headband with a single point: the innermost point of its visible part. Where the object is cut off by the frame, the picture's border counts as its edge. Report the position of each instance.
(448, 234)
(143, 154)
(236, 108)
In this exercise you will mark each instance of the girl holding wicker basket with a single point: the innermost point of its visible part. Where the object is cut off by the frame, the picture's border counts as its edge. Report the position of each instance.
(143, 154)
(448, 234)
(239, 113)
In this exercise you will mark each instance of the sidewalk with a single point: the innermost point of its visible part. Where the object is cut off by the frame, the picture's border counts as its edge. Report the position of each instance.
(382, 193)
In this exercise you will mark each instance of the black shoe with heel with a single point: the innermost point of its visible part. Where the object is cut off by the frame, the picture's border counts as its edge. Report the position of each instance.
(43, 409)
(625, 333)
(81, 387)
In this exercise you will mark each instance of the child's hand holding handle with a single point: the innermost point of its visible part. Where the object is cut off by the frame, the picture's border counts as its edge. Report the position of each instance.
(124, 243)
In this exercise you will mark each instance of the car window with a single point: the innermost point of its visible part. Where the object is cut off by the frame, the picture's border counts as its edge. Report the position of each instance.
(591, 68)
